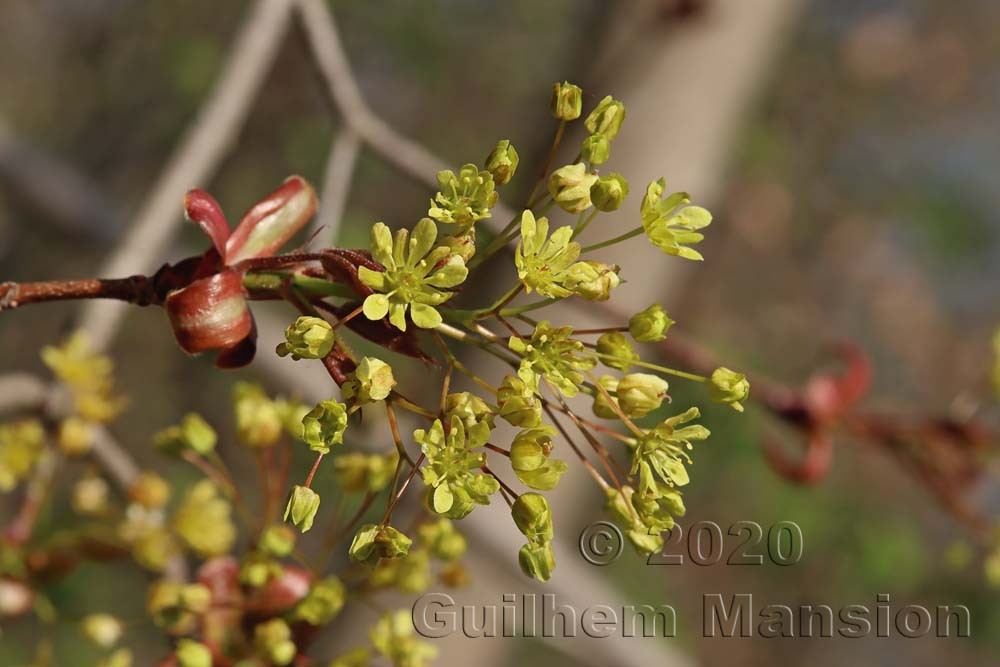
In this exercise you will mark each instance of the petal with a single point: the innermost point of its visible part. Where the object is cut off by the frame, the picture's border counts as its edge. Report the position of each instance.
(376, 306)
(397, 315)
(443, 499)
(424, 316)
(374, 279)
(382, 245)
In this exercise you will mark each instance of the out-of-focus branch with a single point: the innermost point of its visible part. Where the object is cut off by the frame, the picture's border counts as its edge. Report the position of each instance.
(22, 391)
(320, 30)
(337, 184)
(54, 190)
(195, 160)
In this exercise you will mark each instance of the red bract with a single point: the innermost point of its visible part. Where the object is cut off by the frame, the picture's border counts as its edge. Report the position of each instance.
(211, 312)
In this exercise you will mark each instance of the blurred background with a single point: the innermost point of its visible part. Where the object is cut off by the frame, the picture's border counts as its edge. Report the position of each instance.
(848, 150)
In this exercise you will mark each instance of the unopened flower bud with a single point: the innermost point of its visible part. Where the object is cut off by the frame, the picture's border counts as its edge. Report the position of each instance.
(570, 187)
(103, 629)
(609, 192)
(277, 540)
(606, 118)
(533, 517)
(641, 393)
(729, 387)
(462, 245)
(373, 542)
(617, 351)
(537, 560)
(324, 425)
(567, 101)
(443, 540)
(193, 654)
(90, 496)
(150, 490)
(258, 422)
(592, 280)
(303, 503)
(531, 448)
(602, 406)
(193, 433)
(650, 325)
(307, 338)
(469, 408)
(75, 436)
(596, 149)
(371, 381)
(274, 639)
(519, 404)
(502, 162)
(323, 603)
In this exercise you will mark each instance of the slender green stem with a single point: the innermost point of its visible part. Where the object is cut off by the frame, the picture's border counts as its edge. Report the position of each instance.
(655, 367)
(274, 282)
(517, 310)
(583, 222)
(617, 239)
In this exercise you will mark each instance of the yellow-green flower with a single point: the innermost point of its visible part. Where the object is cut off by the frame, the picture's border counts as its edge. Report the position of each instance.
(307, 338)
(502, 162)
(394, 637)
(323, 603)
(303, 504)
(661, 452)
(567, 101)
(258, 419)
(204, 520)
(324, 425)
(193, 433)
(545, 264)
(650, 325)
(371, 381)
(415, 274)
(606, 118)
(671, 229)
(22, 444)
(452, 468)
(466, 198)
(529, 458)
(373, 542)
(552, 353)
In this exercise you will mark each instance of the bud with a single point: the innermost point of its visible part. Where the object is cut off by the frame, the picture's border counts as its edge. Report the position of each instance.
(729, 387)
(519, 404)
(210, 313)
(641, 393)
(533, 517)
(307, 338)
(277, 540)
(274, 639)
(606, 118)
(258, 422)
(537, 560)
(90, 496)
(149, 490)
(443, 540)
(531, 448)
(371, 381)
(193, 433)
(592, 280)
(596, 149)
(609, 192)
(290, 413)
(323, 603)
(193, 654)
(257, 569)
(646, 541)
(502, 162)
(121, 657)
(570, 187)
(602, 406)
(469, 408)
(303, 503)
(373, 542)
(567, 101)
(650, 325)
(324, 425)
(103, 629)
(615, 344)
(462, 245)
(75, 436)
